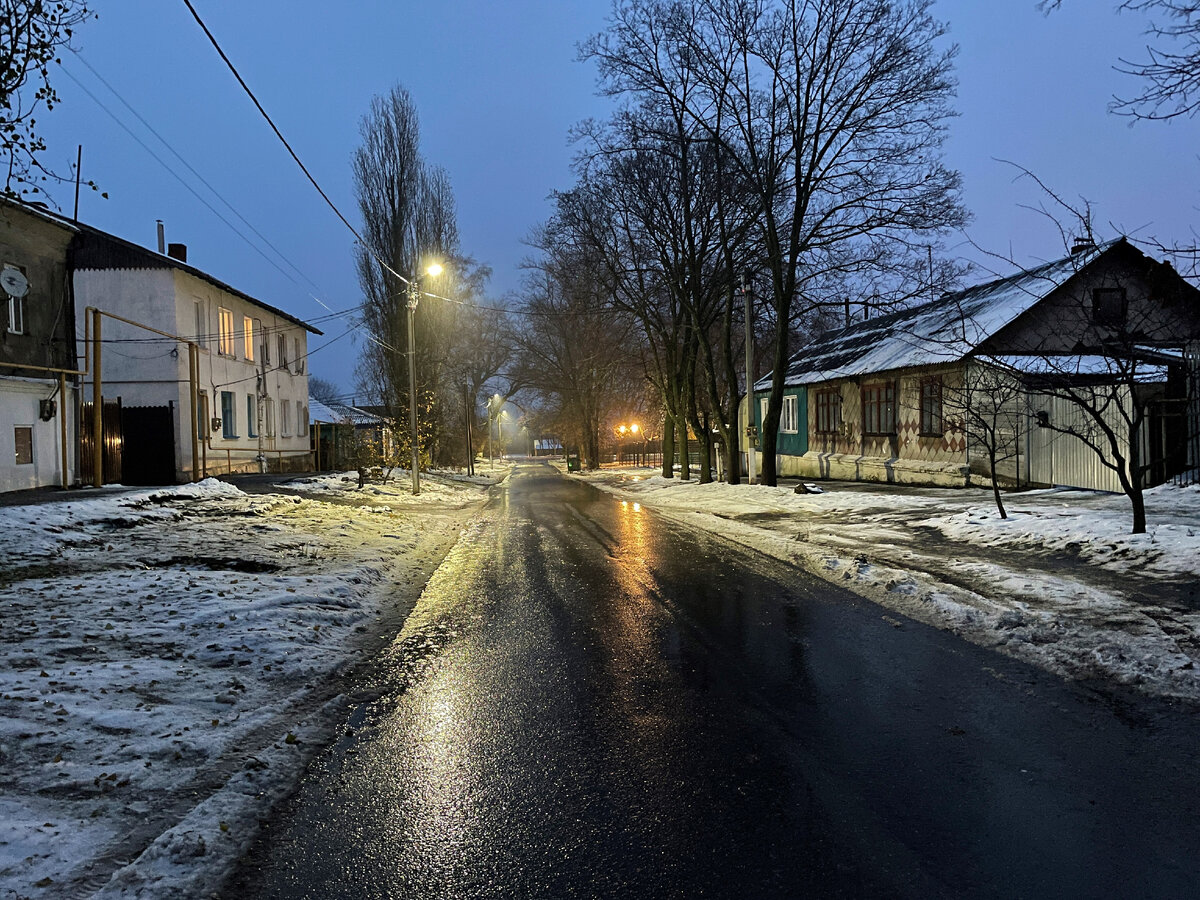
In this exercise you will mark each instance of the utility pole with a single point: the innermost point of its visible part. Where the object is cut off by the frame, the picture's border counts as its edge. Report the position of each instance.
(468, 411)
(414, 294)
(751, 431)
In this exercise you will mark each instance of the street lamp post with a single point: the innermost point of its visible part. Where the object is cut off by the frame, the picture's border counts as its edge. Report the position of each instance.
(414, 295)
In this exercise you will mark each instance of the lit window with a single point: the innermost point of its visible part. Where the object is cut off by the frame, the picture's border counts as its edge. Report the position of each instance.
(224, 331)
(248, 337)
(23, 436)
(228, 416)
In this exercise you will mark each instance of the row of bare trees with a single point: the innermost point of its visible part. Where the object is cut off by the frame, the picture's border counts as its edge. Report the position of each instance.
(798, 141)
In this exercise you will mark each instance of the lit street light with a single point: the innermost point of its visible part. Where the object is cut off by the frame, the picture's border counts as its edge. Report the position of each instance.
(414, 295)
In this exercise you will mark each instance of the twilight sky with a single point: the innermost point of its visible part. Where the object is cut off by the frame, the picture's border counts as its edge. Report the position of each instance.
(497, 87)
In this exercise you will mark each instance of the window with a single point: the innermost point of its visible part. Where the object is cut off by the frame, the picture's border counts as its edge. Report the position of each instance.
(787, 419)
(248, 337)
(269, 417)
(251, 415)
(1108, 306)
(302, 417)
(264, 343)
(201, 324)
(224, 331)
(281, 344)
(931, 407)
(299, 357)
(285, 418)
(763, 402)
(879, 408)
(23, 437)
(228, 416)
(829, 411)
(16, 305)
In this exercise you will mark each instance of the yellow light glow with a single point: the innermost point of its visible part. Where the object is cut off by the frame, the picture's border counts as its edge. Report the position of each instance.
(621, 428)
(634, 427)
(434, 269)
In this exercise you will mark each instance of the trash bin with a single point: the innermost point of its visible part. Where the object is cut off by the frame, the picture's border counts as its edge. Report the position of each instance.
(572, 462)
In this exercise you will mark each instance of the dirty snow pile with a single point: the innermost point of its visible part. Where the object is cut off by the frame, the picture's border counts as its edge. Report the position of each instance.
(1061, 582)
(165, 656)
(447, 488)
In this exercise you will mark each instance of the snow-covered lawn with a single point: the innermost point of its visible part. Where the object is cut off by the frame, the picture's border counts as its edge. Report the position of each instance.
(1060, 583)
(165, 657)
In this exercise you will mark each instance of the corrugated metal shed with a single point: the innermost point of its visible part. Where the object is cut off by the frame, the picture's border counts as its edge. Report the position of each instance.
(334, 413)
(943, 331)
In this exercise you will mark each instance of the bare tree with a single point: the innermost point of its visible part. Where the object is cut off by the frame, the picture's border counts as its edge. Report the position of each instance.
(1170, 71)
(32, 32)
(323, 389)
(832, 111)
(408, 216)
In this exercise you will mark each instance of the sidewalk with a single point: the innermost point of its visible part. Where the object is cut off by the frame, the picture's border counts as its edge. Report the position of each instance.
(1060, 583)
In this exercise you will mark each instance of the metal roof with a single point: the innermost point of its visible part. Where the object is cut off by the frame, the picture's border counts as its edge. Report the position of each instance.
(96, 249)
(942, 331)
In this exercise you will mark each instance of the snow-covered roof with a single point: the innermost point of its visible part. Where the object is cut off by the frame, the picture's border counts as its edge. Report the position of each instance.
(942, 331)
(340, 412)
(1085, 366)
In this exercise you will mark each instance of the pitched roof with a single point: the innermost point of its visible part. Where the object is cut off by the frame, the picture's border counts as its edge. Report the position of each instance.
(96, 249)
(340, 412)
(942, 331)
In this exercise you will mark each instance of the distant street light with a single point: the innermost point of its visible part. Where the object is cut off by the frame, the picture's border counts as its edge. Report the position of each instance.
(414, 295)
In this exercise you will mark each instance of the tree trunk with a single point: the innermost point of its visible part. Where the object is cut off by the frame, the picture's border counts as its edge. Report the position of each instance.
(685, 462)
(668, 447)
(996, 485)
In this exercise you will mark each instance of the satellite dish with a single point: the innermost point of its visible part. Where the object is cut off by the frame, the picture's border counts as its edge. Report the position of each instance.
(14, 282)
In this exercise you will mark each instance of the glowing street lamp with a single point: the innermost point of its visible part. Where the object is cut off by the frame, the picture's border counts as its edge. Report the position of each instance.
(414, 295)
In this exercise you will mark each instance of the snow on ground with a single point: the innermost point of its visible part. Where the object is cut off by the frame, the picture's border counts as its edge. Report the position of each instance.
(167, 659)
(1061, 583)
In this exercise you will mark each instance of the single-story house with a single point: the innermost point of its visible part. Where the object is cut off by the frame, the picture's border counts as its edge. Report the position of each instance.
(906, 397)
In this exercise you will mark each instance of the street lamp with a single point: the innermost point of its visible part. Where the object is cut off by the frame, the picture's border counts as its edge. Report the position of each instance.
(414, 295)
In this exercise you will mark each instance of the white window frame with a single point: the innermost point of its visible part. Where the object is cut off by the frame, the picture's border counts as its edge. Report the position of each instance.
(268, 417)
(281, 341)
(225, 343)
(285, 418)
(17, 310)
(299, 361)
(788, 415)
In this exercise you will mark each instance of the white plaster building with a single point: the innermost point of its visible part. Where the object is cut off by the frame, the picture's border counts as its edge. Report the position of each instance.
(251, 369)
(37, 353)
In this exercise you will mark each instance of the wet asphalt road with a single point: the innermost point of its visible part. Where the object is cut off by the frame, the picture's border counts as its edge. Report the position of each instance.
(611, 706)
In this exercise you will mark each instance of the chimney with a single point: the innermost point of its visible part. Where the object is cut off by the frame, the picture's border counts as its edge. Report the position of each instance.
(162, 238)
(177, 251)
(1082, 245)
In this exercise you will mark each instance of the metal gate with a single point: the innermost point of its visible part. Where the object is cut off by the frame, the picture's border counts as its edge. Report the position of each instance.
(148, 455)
(112, 442)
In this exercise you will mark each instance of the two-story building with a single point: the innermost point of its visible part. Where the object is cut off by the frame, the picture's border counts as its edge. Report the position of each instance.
(195, 362)
(37, 350)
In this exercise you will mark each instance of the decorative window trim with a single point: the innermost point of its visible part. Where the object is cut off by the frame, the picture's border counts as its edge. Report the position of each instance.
(248, 326)
(879, 409)
(932, 407)
(828, 414)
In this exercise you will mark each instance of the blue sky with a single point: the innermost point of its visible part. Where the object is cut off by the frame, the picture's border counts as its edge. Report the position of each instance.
(497, 87)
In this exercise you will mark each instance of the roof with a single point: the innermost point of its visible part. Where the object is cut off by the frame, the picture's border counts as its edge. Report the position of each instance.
(942, 331)
(340, 412)
(96, 249)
